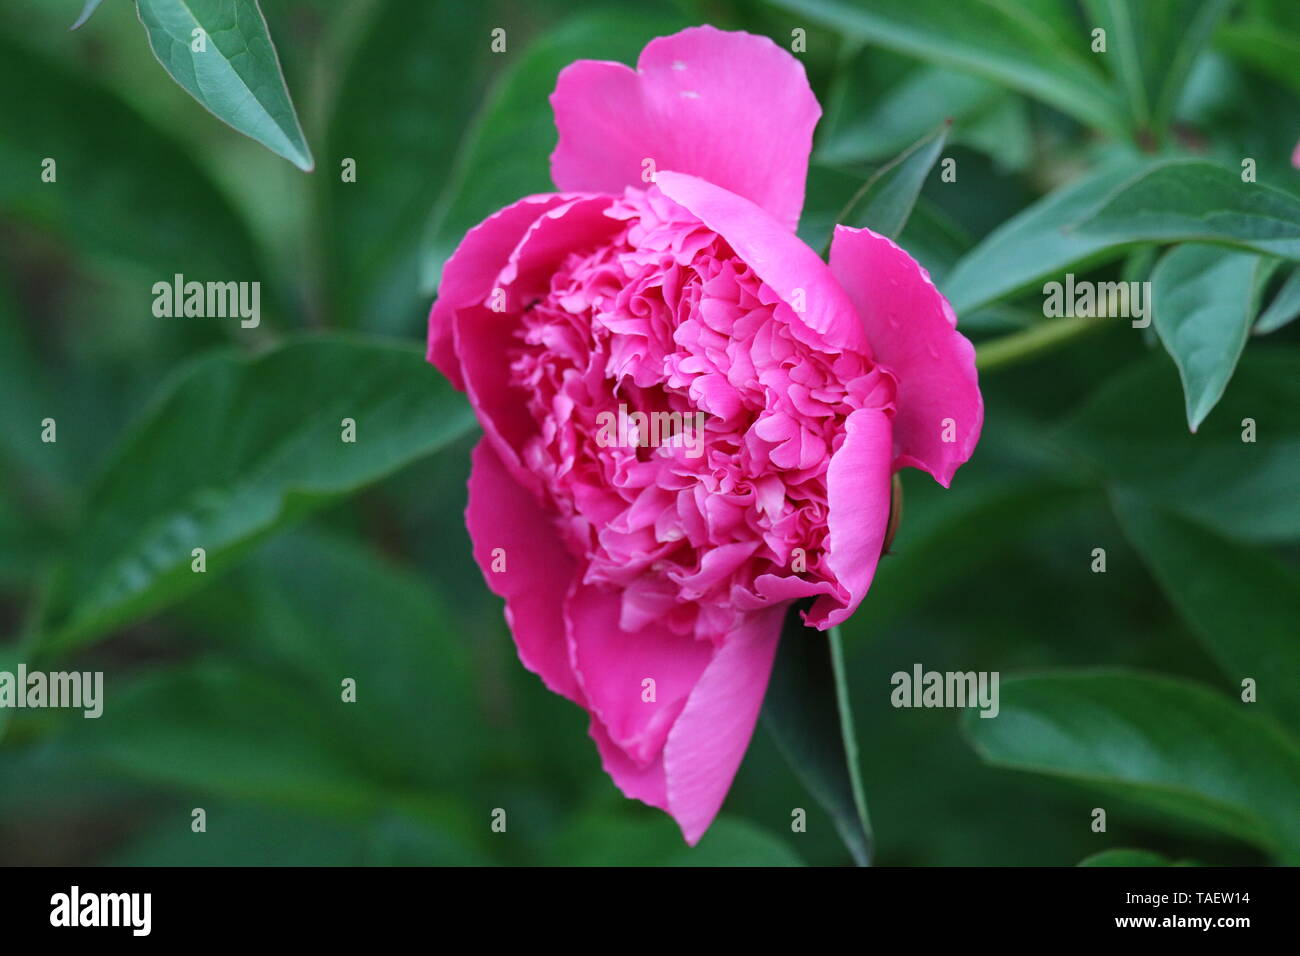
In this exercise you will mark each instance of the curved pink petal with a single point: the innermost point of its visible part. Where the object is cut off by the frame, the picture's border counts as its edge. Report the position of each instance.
(612, 666)
(777, 256)
(579, 223)
(1295, 156)
(646, 784)
(468, 276)
(732, 108)
(709, 740)
(537, 568)
(913, 332)
(857, 512)
(483, 337)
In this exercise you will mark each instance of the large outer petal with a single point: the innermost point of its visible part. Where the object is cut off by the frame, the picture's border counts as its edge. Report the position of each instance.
(468, 276)
(483, 338)
(538, 568)
(709, 740)
(732, 108)
(913, 332)
(777, 256)
(611, 664)
(706, 745)
(857, 506)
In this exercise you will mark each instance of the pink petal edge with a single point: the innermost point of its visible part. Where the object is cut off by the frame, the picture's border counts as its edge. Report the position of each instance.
(777, 256)
(732, 108)
(913, 332)
(538, 568)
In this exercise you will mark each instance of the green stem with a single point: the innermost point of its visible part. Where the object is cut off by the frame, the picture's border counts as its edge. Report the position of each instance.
(1031, 342)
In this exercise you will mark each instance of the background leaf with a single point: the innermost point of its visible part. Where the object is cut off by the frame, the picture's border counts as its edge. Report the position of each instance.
(1190, 200)
(94, 202)
(87, 12)
(294, 607)
(506, 154)
(235, 449)
(1132, 433)
(1241, 602)
(885, 202)
(1151, 49)
(1284, 308)
(233, 732)
(1265, 45)
(888, 125)
(236, 76)
(807, 711)
(1024, 44)
(1166, 744)
(400, 115)
(1204, 300)
(1036, 243)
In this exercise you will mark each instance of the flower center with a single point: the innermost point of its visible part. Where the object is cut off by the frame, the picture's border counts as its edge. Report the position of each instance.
(683, 430)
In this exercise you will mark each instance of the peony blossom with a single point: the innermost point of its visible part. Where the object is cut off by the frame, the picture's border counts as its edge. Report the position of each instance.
(646, 572)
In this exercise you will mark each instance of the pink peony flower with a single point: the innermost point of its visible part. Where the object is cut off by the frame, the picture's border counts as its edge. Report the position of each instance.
(646, 580)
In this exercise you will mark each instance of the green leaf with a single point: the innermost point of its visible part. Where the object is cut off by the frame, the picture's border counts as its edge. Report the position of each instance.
(904, 114)
(1167, 744)
(807, 712)
(1190, 200)
(235, 73)
(1204, 299)
(233, 450)
(1002, 131)
(27, 401)
(403, 148)
(945, 536)
(1125, 857)
(1285, 307)
(318, 606)
(1035, 244)
(1151, 49)
(1185, 31)
(1025, 45)
(87, 12)
(506, 153)
(885, 201)
(828, 189)
(233, 733)
(111, 164)
(1267, 47)
(1241, 602)
(1132, 433)
(1116, 18)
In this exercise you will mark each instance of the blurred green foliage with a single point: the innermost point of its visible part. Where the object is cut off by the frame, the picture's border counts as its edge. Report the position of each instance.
(223, 690)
